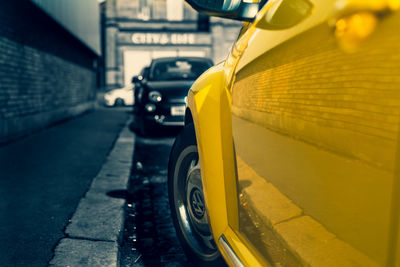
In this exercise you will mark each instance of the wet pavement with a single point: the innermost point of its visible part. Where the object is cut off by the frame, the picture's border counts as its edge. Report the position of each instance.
(149, 237)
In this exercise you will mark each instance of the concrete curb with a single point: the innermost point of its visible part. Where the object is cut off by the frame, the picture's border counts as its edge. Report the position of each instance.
(96, 226)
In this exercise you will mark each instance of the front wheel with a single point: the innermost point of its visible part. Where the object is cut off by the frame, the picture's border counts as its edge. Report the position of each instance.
(119, 102)
(186, 199)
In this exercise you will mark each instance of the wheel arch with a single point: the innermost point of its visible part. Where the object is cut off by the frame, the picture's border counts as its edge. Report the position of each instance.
(209, 109)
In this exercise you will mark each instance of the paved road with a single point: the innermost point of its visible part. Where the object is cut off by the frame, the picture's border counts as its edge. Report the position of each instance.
(42, 179)
(149, 238)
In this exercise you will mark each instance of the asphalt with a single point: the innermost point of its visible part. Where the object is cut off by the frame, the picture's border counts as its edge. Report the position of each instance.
(149, 237)
(50, 178)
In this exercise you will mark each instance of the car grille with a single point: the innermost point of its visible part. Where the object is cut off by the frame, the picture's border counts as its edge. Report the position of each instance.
(176, 100)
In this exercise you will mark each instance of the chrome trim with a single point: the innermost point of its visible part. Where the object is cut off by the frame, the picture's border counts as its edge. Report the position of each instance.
(161, 119)
(232, 255)
(176, 100)
(172, 123)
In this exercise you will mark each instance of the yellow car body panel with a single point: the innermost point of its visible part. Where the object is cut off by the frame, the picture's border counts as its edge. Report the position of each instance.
(298, 134)
(205, 105)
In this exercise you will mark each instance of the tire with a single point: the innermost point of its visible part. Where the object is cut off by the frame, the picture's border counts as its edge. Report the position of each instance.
(186, 200)
(144, 128)
(119, 102)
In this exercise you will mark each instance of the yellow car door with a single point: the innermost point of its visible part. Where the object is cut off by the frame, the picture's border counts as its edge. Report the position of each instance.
(315, 123)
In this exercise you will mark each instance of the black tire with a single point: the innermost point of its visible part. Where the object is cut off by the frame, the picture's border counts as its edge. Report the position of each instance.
(186, 196)
(119, 102)
(144, 128)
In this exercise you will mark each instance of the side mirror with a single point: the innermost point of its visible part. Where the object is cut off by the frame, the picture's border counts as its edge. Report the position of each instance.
(234, 9)
(137, 79)
(284, 14)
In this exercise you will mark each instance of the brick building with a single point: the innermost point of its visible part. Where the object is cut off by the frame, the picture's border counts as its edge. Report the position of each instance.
(48, 62)
(138, 30)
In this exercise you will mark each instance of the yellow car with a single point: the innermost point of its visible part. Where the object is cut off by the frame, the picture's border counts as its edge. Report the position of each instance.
(290, 151)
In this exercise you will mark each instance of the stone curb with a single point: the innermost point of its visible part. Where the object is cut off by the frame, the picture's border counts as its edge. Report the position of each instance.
(96, 226)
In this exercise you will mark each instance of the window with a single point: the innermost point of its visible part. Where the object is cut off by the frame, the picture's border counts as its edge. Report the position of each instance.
(179, 69)
(175, 10)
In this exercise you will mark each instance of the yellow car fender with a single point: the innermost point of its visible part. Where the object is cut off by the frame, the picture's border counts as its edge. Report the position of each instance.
(207, 98)
(209, 105)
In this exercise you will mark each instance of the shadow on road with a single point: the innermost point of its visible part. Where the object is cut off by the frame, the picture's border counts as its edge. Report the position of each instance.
(159, 132)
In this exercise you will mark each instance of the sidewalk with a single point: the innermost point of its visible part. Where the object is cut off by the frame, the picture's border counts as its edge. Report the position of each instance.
(95, 229)
(44, 176)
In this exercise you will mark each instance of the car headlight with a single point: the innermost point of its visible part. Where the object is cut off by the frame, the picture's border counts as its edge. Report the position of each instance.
(155, 96)
(150, 107)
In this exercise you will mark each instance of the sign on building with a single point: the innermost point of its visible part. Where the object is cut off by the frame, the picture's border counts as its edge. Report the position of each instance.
(164, 38)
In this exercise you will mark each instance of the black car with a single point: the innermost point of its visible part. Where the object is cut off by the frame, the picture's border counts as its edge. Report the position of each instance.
(137, 84)
(160, 97)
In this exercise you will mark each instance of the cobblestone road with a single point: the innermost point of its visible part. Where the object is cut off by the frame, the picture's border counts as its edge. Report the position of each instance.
(149, 238)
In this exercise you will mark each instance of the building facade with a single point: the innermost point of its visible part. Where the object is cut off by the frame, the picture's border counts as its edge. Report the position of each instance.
(138, 30)
(48, 62)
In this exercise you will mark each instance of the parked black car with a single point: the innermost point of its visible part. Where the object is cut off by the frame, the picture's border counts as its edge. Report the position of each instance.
(160, 97)
(137, 83)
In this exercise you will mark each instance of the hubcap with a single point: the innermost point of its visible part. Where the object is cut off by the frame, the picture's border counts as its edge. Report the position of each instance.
(197, 203)
(190, 205)
(195, 199)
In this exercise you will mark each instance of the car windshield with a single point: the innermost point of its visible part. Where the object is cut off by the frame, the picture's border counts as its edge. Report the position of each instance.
(179, 69)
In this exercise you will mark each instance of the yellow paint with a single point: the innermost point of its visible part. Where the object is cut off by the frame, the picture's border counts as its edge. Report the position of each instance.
(329, 123)
(247, 255)
(312, 91)
(352, 30)
(206, 99)
(397, 250)
(349, 6)
(317, 183)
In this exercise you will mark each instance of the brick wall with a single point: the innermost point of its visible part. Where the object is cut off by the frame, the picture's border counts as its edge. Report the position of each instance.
(311, 90)
(46, 74)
